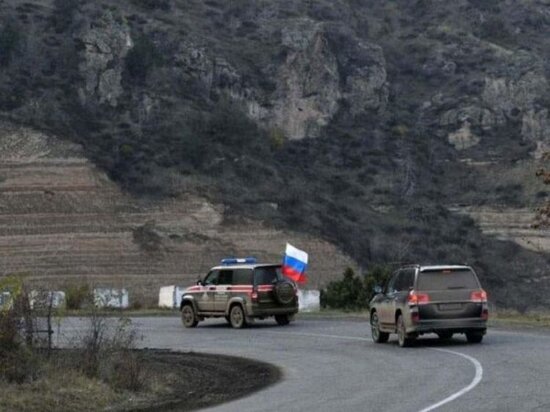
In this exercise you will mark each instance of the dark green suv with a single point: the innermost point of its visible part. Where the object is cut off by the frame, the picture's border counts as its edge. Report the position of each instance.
(241, 290)
(444, 299)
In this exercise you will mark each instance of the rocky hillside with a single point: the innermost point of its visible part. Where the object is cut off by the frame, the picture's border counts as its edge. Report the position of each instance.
(64, 222)
(363, 123)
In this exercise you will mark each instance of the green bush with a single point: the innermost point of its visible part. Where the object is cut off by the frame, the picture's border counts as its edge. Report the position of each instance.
(141, 59)
(77, 296)
(164, 5)
(64, 11)
(353, 292)
(10, 38)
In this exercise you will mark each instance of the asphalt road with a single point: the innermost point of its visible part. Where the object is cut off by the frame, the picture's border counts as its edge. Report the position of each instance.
(332, 365)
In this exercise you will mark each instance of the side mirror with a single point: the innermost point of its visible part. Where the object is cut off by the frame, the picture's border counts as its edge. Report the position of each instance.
(378, 289)
(199, 282)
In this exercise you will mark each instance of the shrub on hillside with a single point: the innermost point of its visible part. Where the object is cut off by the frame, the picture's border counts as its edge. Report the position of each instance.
(64, 11)
(164, 5)
(353, 292)
(141, 58)
(18, 362)
(10, 39)
(77, 296)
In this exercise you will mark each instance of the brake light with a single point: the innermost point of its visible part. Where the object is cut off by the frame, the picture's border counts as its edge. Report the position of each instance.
(478, 296)
(416, 298)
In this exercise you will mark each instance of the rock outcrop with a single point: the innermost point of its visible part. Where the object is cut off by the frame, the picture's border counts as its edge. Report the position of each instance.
(106, 43)
(323, 68)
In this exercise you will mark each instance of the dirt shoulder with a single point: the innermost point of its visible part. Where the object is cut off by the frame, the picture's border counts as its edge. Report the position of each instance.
(204, 380)
(175, 381)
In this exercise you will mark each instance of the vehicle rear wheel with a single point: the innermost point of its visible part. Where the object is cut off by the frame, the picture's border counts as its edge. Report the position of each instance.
(445, 335)
(403, 338)
(237, 318)
(188, 317)
(474, 337)
(282, 319)
(377, 336)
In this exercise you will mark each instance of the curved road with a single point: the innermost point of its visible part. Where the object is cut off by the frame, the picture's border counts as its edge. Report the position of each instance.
(332, 365)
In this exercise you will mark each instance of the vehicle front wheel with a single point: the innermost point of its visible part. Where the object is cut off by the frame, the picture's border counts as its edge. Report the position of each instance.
(188, 317)
(377, 336)
(282, 319)
(474, 337)
(237, 318)
(403, 338)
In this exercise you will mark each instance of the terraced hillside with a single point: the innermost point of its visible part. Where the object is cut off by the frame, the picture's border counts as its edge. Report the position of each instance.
(506, 223)
(62, 221)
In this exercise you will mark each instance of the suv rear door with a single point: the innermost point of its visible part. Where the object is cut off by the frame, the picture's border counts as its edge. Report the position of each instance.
(265, 278)
(398, 290)
(449, 292)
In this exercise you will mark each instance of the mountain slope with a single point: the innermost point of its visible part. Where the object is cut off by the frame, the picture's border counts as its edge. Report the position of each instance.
(363, 123)
(64, 222)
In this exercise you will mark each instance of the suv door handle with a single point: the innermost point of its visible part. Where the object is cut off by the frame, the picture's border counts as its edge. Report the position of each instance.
(228, 288)
(212, 288)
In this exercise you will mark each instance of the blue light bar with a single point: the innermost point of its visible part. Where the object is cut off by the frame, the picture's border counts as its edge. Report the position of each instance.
(236, 261)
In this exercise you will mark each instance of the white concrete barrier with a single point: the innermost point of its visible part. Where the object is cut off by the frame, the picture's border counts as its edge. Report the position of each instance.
(6, 301)
(170, 296)
(111, 298)
(42, 299)
(309, 300)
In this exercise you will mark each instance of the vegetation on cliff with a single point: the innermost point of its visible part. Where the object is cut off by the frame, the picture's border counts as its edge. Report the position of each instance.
(359, 121)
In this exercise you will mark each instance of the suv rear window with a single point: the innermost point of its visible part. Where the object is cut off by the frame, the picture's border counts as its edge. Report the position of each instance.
(447, 279)
(267, 275)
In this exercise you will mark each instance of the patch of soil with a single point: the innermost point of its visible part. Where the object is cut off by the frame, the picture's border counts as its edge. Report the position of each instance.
(202, 380)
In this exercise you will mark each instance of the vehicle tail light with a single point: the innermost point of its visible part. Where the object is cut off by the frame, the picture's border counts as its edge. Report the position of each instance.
(416, 298)
(254, 296)
(478, 296)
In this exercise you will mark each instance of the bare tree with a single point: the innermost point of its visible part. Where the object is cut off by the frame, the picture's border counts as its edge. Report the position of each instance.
(542, 218)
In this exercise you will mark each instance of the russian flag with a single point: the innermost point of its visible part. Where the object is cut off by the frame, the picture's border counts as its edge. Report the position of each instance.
(295, 264)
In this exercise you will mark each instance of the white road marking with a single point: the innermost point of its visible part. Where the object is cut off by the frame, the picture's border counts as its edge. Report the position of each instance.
(477, 378)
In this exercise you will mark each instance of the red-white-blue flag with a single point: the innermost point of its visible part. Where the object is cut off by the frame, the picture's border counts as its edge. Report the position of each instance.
(295, 264)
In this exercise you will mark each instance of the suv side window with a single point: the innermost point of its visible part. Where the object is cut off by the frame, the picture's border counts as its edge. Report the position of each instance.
(242, 277)
(266, 275)
(212, 278)
(399, 284)
(409, 278)
(390, 287)
(225, 277)
(405, 280)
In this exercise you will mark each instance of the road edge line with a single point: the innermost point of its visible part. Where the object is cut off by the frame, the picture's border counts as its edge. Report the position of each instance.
(477, 378)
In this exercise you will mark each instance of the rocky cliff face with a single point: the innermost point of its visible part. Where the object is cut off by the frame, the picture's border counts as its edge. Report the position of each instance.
(105, 43)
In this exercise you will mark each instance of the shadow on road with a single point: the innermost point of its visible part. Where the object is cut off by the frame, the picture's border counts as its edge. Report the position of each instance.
(435, 342)
(256, 325)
